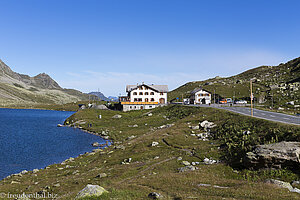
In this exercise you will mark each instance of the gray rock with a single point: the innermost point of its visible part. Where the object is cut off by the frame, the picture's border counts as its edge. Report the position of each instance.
(208, 161)
(96, 144)
(296, 184)
(295, 190)
(194, 127)
(281, 184)
(186, 163)
(120, 147)
(57, 185)
(131, 137)
(117, 116)
(154, 195)
(187, 168)
(91, 190)
(101, 175)
(154, 144)
(277, 155)
(207, 125)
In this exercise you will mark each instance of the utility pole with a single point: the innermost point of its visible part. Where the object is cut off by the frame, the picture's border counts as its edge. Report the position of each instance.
(214, 96)
(251, 97)
(272, 100)
(233, 97)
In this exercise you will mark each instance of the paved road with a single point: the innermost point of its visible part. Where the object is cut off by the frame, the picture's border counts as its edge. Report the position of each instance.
(272, 116)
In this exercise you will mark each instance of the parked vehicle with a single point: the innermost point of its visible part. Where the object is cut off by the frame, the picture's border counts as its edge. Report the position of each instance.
(186, 101)
(241, 102)
(229, 100)
(223, 101)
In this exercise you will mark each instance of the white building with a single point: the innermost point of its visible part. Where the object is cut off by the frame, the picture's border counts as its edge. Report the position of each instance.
(144, 97)
(200, 96)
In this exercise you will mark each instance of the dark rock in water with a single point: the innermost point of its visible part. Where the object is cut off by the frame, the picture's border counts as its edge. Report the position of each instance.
(277, 155)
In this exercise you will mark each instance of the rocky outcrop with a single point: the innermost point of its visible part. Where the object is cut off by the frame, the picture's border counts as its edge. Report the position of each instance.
(283, 184)
(277, 155)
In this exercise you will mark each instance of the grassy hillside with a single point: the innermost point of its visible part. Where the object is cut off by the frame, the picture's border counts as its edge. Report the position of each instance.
(155, 168)
(274, 86)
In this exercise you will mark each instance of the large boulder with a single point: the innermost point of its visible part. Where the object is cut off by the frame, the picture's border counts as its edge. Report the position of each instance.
(207, 125)
(276, 155)
(91, 190)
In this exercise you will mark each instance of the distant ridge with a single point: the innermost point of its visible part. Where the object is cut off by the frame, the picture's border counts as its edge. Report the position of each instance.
(100, 95)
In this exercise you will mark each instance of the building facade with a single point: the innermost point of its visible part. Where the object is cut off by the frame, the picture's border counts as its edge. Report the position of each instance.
(200, 96)
(144, 97)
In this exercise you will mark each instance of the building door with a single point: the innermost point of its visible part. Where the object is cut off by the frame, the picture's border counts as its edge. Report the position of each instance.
(203, 101)
(162, 101)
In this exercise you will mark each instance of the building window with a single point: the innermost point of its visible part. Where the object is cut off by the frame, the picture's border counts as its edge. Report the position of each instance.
(146, 93)
(134, 93)
(140, 93)
(152, 99)
(134, 106)
(150, 106)
(130, 107)
(151, 93)
(161, 93)
(140, 99)
(146, 100)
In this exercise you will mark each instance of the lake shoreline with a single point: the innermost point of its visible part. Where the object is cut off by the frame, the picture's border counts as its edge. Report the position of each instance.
(36, 123)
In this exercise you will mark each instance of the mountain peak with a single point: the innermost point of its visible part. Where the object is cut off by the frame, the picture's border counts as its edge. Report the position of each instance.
(41, 80)
(45, 81)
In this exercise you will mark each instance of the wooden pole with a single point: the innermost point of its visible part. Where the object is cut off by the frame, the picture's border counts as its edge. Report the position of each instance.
(251, 97)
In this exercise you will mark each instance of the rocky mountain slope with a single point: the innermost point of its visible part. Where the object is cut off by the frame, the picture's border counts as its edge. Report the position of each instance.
(22, 89)
(274, 86)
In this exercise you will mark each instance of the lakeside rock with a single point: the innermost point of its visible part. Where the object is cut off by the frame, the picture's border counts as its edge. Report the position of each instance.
(91, 190)
(277, 155)
(96, 144)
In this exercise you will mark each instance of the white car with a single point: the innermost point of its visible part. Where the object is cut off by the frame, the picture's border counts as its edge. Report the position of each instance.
(241, 102)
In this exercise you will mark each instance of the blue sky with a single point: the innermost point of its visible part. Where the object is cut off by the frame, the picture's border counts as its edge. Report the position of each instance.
(90, 44)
